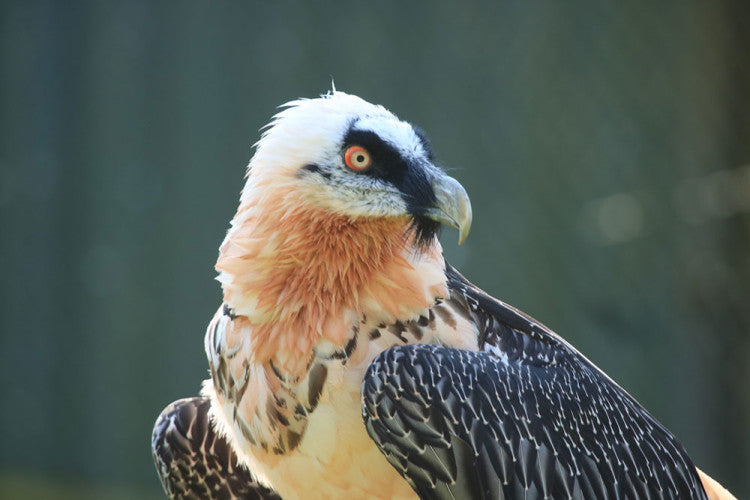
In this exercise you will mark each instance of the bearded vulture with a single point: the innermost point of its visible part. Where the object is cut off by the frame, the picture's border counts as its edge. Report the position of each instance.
(350, 360)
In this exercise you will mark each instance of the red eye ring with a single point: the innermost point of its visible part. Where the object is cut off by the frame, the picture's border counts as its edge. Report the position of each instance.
(357, 158)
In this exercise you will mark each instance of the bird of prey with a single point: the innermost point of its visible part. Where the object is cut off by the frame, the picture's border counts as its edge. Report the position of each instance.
(350, 360)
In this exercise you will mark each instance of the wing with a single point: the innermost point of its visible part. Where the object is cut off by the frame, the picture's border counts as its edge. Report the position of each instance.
(194, 462)
(526, 417)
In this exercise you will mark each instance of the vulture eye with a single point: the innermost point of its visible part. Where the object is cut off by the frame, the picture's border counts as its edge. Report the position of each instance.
(357, 158)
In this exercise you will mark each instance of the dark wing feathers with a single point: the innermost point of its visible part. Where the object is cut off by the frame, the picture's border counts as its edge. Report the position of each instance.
(527, 417)
(194, 462)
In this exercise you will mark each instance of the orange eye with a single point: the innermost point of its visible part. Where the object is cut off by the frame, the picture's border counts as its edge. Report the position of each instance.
(357, 158)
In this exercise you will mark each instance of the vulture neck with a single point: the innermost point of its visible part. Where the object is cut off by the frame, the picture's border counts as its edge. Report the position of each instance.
(302, 274)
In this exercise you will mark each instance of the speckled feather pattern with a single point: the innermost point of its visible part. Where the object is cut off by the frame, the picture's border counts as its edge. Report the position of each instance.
(194, 462)
(527, 417)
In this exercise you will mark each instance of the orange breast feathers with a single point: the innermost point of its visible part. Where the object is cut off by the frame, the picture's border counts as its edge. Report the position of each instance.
(302, 273)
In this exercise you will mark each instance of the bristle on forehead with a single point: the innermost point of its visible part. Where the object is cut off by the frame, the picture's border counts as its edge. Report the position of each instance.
(334, 104)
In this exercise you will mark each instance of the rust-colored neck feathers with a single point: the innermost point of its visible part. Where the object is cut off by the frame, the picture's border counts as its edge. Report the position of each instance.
(302, 274)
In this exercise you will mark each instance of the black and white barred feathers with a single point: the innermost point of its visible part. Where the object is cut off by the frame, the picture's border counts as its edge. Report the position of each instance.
(194, 462)
(526, 417)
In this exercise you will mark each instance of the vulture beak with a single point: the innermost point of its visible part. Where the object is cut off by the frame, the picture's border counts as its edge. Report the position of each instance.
(452, 206)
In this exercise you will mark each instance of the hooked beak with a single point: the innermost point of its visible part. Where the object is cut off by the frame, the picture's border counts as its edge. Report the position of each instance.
(452, 206)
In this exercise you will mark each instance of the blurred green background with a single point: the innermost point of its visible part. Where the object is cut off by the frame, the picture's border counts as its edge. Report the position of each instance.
(605, 146)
